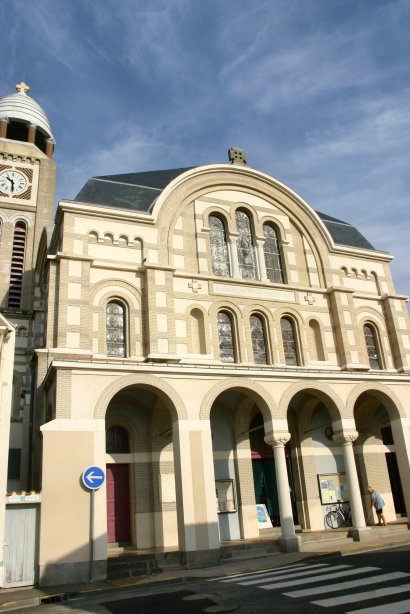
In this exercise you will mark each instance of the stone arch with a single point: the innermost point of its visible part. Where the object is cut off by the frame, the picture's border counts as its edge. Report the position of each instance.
(218, 211)
(164, 390)
(392, 404)
(276, 223)
(258, 392)
(106, 288)
(322, 391)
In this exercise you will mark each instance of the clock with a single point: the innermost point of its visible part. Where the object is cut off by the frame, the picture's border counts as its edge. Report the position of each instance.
(12, 182)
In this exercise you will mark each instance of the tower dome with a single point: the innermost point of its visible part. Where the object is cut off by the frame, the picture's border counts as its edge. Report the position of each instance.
(23, 119)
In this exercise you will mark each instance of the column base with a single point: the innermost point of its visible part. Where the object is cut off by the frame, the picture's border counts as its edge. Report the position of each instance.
(290, 544)
(360, 535)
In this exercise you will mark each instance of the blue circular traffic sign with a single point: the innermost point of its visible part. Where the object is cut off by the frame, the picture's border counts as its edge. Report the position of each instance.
(93, 477)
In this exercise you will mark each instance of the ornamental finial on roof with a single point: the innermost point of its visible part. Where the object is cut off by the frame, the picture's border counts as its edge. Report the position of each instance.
(22, 87)
(237, 156)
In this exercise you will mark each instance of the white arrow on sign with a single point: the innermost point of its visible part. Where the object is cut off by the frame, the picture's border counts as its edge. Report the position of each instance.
(90, 476)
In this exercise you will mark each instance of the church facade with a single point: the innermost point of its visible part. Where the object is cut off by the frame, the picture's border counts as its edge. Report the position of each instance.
(208, 340)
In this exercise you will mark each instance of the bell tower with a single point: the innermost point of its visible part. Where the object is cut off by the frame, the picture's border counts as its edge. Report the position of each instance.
(27, 189)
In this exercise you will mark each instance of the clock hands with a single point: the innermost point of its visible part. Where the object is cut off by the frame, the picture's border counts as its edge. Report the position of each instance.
(12, 183)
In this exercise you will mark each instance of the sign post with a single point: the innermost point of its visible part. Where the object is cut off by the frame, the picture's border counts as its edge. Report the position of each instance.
(93, 478)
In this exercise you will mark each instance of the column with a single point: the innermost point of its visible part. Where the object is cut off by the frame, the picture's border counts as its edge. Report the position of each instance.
(401, 437)
(49, 147)
(346, 439)
(233, 248)
(31, 138)
(4, 122)
(289, 541)
(261, 259)
(198, 533)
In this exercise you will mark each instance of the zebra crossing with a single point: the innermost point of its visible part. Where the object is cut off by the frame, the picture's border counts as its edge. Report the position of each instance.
(334, 585)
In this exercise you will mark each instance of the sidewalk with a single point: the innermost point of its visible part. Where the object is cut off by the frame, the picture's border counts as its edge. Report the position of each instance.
(16, 598)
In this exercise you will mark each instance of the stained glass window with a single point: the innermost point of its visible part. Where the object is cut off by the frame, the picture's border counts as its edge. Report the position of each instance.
(219, 247)
(115, 329)
(246, 250)
(258, 340)
(371, 345)
(289, 341)
(273, 259)
(225, 334)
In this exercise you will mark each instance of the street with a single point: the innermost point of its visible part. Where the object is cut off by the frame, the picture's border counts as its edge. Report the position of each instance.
(375, 582)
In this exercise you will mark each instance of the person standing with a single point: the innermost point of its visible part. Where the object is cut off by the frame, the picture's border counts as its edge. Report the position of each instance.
(377, 502)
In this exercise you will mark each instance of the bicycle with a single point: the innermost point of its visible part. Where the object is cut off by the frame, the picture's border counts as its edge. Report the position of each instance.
(338, 516)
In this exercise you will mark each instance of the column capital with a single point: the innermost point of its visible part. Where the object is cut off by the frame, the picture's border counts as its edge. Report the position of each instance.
(345, 436)
(277, 439)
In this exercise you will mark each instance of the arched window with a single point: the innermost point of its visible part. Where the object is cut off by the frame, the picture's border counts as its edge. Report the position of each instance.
(258, 340)
(219, 247)
(289, 341)
(115, 329)
(316, 345)
(373, 353)
(117, 440)
(196, 339)
(273, 257)
(226, 340)
(17, 265)
(246, 250)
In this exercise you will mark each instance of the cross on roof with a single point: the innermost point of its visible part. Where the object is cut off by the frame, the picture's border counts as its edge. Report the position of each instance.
(22, 87)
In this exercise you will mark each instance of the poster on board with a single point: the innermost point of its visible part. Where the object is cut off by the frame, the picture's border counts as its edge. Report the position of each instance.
(264, 522)
(333, 487)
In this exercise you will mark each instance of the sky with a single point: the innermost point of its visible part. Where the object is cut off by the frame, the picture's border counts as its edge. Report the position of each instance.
(317, 92)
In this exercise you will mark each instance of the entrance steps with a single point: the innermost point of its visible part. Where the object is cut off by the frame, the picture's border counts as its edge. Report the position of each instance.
(249, 549)
(128, 562)
(125, 561)
(342, 539)
(317, 541)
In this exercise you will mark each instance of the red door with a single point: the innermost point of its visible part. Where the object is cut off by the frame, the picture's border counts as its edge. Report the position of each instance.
(118, 503)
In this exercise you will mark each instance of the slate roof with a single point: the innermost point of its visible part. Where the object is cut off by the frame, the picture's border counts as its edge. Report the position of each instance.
(139, 191)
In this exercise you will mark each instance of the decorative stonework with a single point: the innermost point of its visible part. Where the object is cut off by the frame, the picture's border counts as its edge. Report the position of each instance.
(194, 285)
(343, 437)
(310, 298)
(277, 439)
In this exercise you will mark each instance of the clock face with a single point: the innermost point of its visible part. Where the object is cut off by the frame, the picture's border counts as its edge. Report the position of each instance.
(12, 182)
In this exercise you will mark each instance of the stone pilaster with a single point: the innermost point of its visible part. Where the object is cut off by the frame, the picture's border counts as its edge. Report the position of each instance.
(395, 313)
(198, 533)
(350, 347)
(159, 307)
